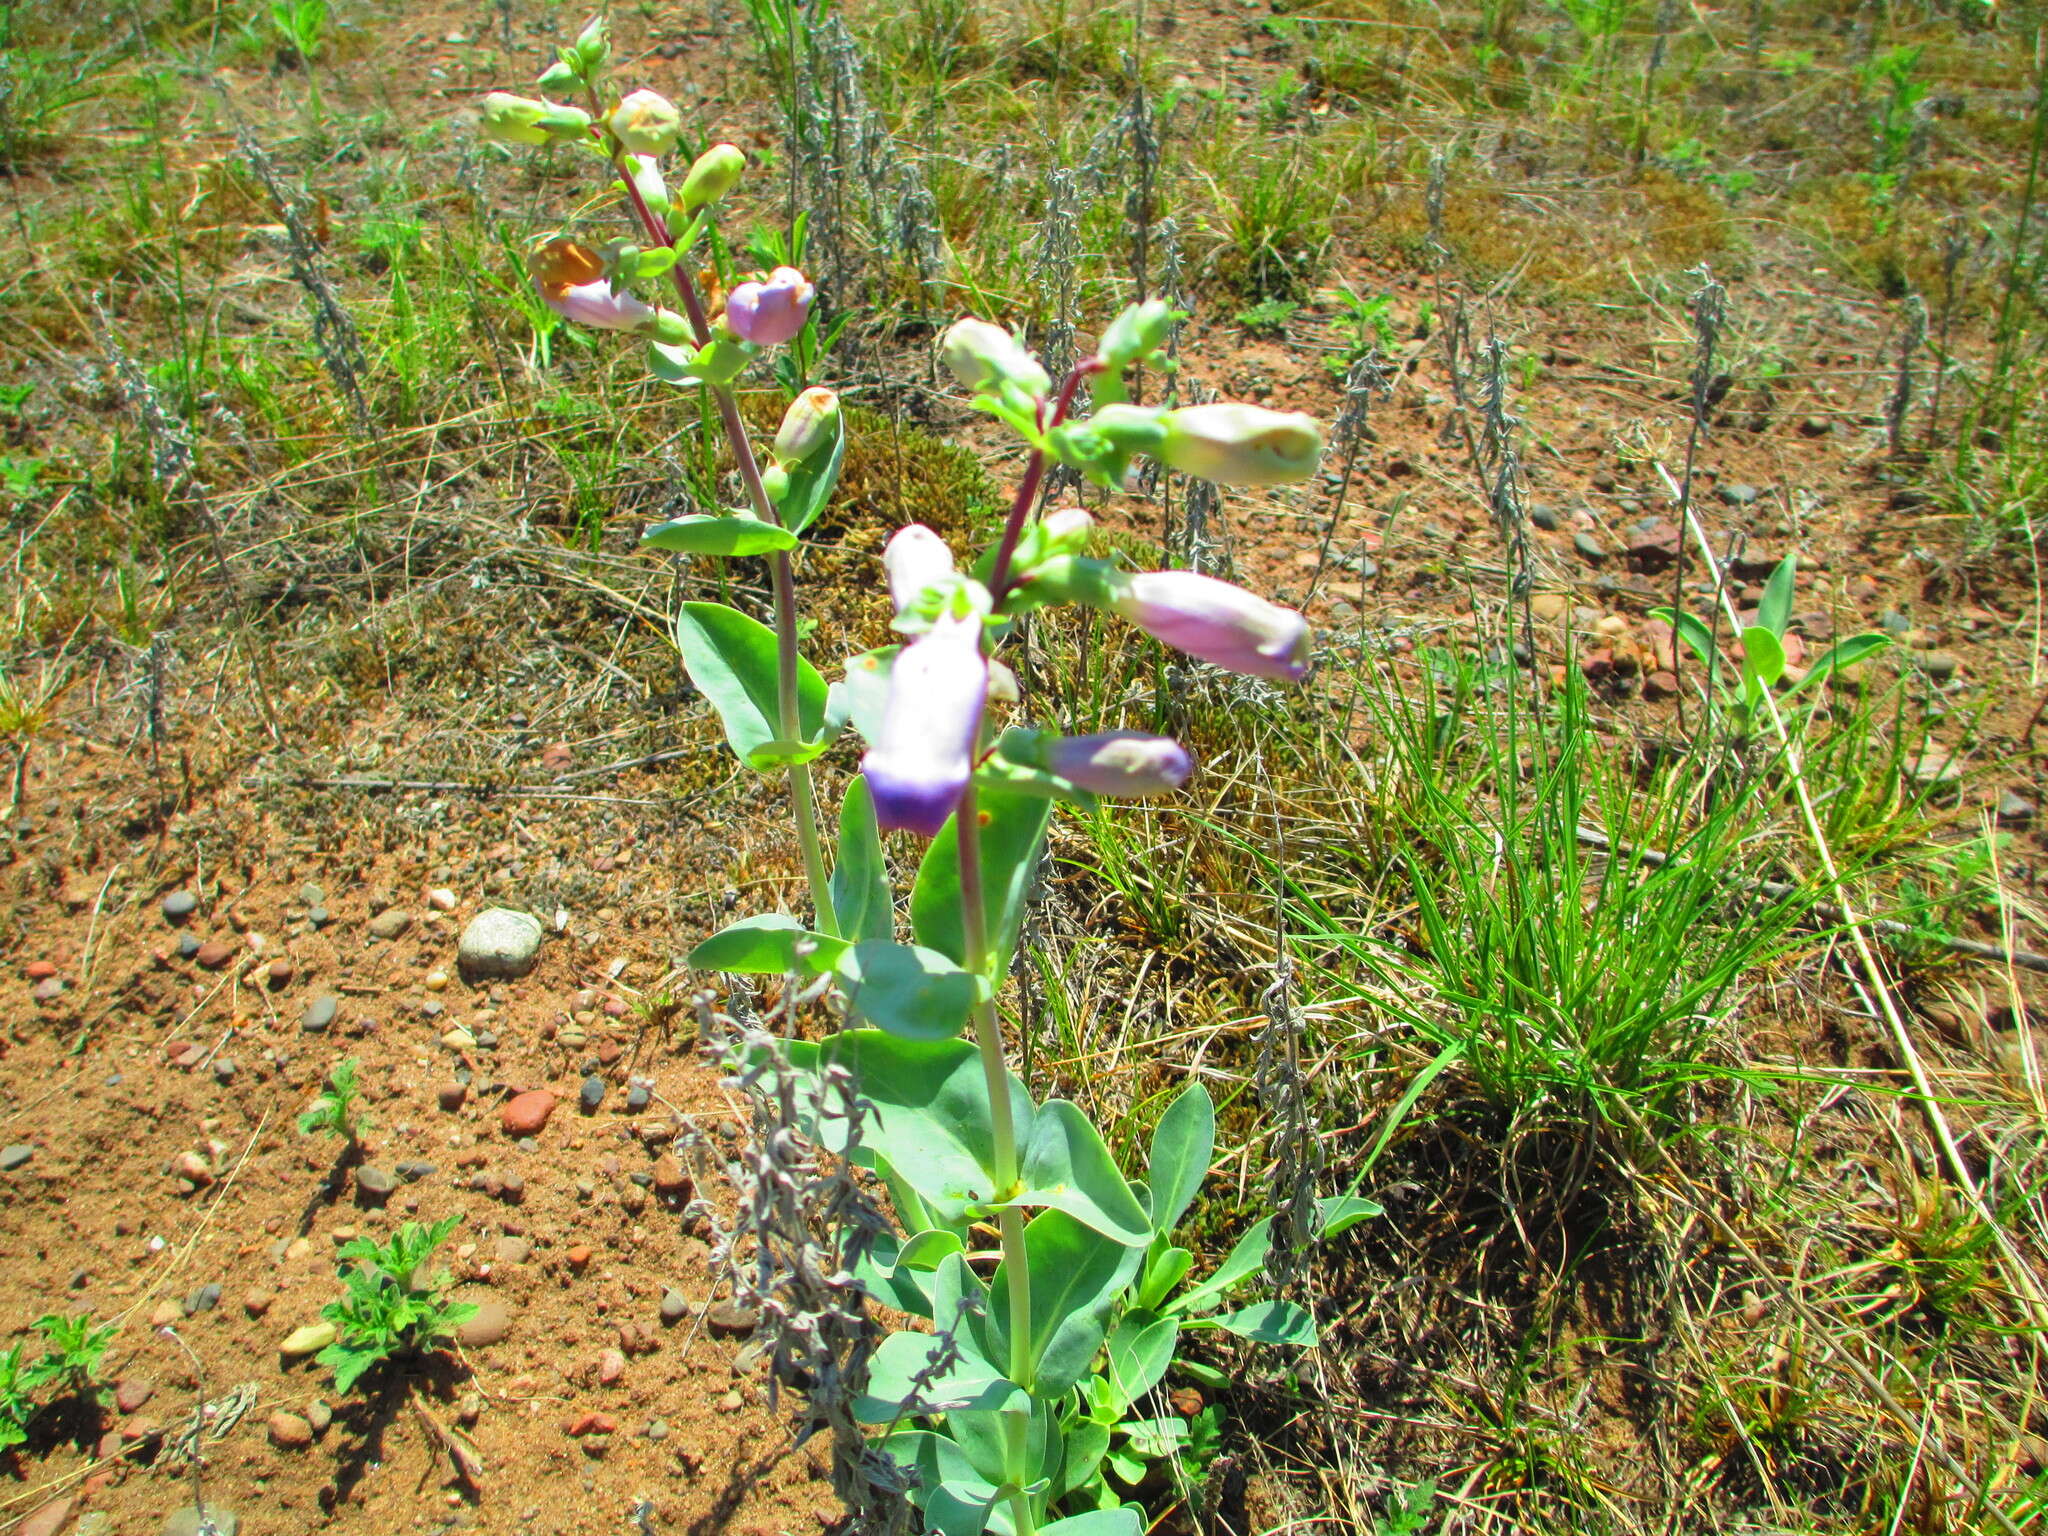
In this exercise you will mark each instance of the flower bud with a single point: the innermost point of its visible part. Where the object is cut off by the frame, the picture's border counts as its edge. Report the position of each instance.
(509, 119)
(1137, 333)
(593, 46)
(923, 756)
(1123, 763)
(564, 124)
(1236, 444)
(646, 122)
(771, 312)
(571, 281)
(1215, 621)
(986, 357)
(809, 425)
(713, 174)
(915, 559)
(775, 482)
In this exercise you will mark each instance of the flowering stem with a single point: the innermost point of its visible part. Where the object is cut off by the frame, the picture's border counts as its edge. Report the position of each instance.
(988, 1035)
(781, 570)
(1034, 472)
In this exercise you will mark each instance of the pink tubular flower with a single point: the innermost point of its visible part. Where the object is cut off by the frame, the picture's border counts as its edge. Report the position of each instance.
(570, 280)
(1216, 622)
(1121, 763)
(772, 312)
(916, 557)
(924, 752)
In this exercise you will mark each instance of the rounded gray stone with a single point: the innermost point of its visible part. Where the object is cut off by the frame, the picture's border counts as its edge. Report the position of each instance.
(15, 1156)
(592, 1093)
(499, 942)
(180, 905)
(319, 1014)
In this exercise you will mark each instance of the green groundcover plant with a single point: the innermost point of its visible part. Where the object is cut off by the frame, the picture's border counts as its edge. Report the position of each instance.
(1021, 1398)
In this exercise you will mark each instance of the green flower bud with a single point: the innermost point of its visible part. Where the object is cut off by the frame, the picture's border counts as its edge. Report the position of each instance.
(1236, 444)
(646, 122)
(561, 75)
(1138, 332)
(565, 124)
(593, 46)
(509, 119)
(713, 174)
(775, 481)
(809, 425)
(986, 357)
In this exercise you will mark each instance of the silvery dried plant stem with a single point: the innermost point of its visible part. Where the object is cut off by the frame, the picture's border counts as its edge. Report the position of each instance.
(1709, 312)
(1368, 378)
(1912, 336)
(1282, 1087)
(334, 332)
(801, 1225)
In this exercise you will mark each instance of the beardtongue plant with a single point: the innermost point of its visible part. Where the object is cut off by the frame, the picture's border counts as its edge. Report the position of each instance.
(1017, 1400)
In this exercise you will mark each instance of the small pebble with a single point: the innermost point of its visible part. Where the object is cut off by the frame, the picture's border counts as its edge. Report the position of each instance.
(526, 1113)
(289, 1432)
(675, 1306)
(591, 1094)
(204, 1299)
(579, 1257)
(452, 1095)
(180, 905)
(436, 981)
(391, 923)
(319, 1415)
(638, 1098)
(375, 1183)
(16, 1156)
(319, 1014)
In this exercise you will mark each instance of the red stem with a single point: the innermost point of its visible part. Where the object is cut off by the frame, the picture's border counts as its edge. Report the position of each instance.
(1034, 472)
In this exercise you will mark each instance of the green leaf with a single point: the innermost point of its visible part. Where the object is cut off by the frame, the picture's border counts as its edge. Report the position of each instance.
(1338, 1213)
(1246, 1259)
(928, 1113)
(1153, 1438)
(955, 1498)
(786, 754)
(1763, 656)
(1842, 656)
(1087, 1442)
(770, 944)
(1012, 832)
(899, 1272)
(349, 1361)
(1140, 1350)
(732, 660)
(1697, 637)
(1164, 1269)
(895, 1387)
(1076, 1275)
(983, 1433)
(860, 878)
(1066, 1166)
(1097, 1522)
(812, 478)
(916, 993)
(724, 537)
(1270, 1322)
(1775, 611)
(1182, 1144)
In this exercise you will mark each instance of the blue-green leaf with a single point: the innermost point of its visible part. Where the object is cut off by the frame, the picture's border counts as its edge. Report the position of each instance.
(731, 659)
(772, 755)
(1182, 1144)
(1012, 832)
(770, 944)
(928, 1113)
(865, 690)
(913, 992)
(1066, 1167)
(1153, 1438)
(901, 1380)
(1697, 637)
(860, 878)
(1140, 1350)
(1087, 1442)
(954, 1497)
(1076, 1275)
(1338, 1213)
(1245, 1260)
(1270, 1322)
(724, 537)
(1165, 1268)
(1097, 1522)
(899, 1272)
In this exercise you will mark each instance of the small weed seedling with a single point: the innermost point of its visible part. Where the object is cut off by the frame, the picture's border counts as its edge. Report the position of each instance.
(335, 1112)
(385, 1315)
(72, 1359)
(16, 1409)
(1763, 651)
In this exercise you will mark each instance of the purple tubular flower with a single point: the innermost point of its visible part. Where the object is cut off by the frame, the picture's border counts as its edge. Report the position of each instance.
(915, 558)
(1216, 622)
(1121, 763)
(924, 753)
(571, 281)
(772, 312)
